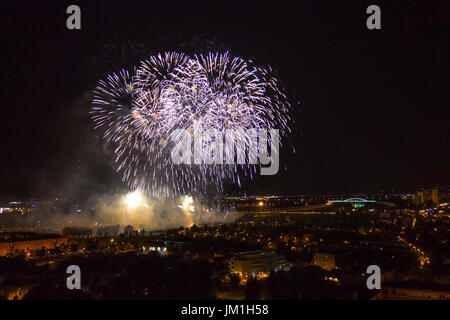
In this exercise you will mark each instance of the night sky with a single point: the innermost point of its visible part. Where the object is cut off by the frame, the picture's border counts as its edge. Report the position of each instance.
(371, 106)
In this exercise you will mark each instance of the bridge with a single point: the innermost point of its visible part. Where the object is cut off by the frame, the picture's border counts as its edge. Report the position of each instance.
(325, 208)
(354, 200)
(359, 202)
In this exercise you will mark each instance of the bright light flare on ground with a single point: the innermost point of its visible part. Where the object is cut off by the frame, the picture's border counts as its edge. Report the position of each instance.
(187, 204)
(134, 199)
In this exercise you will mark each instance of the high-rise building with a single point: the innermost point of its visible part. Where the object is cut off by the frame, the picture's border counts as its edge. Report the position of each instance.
(427, 195)
(420, 197)
(435, 196)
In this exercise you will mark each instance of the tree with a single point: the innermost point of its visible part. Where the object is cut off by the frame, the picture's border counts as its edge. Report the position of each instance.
(234, 280)
(311, 282)
(253, 289)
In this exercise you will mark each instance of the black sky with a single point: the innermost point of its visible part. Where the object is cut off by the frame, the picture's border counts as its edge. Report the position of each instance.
(372, 111)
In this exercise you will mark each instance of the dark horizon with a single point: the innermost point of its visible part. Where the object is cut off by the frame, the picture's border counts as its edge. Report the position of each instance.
(371, 107)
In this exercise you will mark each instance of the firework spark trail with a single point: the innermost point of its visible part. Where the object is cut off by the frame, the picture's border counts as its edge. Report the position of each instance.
(139, 113)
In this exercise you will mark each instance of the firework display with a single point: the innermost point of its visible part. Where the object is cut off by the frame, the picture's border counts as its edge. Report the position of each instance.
(140, 112)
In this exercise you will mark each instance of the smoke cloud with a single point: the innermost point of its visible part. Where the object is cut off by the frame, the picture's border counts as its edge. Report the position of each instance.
(111, 214)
